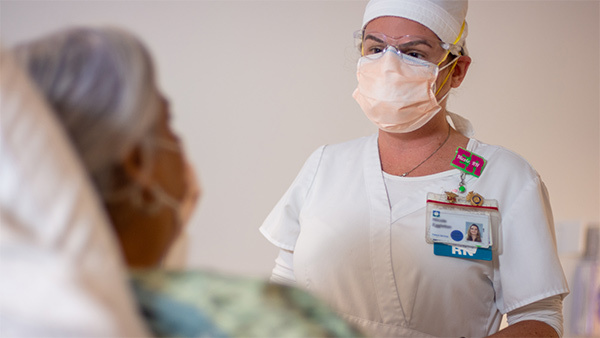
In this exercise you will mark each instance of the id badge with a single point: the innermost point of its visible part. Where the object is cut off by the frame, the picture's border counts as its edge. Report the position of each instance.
(441, 249)
(461, 224)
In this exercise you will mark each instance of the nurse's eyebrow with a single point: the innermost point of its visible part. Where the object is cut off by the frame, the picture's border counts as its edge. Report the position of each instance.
(408, 44)
(372, 37)
(416, 42)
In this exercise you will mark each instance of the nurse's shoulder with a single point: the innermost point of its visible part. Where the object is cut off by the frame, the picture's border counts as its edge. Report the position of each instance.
(506, 175)
(501, 161)
(349, 149)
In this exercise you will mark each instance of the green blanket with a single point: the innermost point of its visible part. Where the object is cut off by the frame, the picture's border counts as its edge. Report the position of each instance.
(203, 304)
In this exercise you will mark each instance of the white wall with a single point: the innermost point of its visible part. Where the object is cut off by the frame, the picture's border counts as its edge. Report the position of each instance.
(255, 86)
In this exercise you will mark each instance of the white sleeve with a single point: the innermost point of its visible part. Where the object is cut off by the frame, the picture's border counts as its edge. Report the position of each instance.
(528, 264)
(283, 272)
(282, 225)
(548, 310)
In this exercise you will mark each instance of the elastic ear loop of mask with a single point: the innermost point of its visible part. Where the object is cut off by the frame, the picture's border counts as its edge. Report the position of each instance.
(462, 28)
(165, 198)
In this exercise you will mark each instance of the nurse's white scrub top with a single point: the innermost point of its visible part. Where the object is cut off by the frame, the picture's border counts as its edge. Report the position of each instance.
(370, 260)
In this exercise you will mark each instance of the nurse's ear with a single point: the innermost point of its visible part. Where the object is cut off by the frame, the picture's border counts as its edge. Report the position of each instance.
(460, 70)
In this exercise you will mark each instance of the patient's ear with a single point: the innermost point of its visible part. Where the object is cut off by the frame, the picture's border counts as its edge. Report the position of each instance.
(133, 168)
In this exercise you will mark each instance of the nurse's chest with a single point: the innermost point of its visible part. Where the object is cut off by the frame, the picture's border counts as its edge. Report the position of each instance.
(345, 234)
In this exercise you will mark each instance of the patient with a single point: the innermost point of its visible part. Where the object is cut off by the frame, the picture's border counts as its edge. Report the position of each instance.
(101, 85)
(61, 272)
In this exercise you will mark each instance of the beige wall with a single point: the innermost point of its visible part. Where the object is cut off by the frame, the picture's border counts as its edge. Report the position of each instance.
(255, 86)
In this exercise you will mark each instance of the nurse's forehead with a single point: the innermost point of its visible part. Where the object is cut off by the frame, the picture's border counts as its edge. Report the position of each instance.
(393, 26)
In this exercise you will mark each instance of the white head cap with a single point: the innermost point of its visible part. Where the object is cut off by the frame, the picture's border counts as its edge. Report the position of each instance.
(444, 17)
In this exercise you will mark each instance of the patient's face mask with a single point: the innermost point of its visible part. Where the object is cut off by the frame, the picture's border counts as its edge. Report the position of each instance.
(184, 206)
(396, 87)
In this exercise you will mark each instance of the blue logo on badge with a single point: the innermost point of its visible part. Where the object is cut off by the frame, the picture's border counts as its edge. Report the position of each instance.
(436, 213)
(457, 235)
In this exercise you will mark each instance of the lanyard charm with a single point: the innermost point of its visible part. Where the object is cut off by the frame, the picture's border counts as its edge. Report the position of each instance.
(468, 162)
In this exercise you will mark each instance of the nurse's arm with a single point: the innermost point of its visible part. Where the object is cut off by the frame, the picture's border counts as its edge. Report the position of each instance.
(283, 272)
(527, 328)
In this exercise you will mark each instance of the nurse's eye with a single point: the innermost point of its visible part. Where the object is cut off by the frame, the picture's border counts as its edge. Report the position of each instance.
(415, 54)
(373, 46)
(374, 50)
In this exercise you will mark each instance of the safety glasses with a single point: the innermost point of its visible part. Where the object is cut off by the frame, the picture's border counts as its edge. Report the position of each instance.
(434, 51)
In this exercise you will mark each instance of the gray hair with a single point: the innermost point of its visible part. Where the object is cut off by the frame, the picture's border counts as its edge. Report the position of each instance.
(101, 84)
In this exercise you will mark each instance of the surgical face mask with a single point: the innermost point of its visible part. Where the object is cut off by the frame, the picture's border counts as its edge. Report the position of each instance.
(397, 91)
(182, 209)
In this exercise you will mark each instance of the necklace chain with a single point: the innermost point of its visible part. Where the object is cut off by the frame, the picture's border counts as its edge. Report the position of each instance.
(428, 157)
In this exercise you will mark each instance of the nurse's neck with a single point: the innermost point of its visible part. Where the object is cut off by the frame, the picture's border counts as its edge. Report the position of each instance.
(425, 151)
(431, 135)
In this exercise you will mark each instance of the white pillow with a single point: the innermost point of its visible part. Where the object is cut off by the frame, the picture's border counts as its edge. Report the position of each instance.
(61, 273)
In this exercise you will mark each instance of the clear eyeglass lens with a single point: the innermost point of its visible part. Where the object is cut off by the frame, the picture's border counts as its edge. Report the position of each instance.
(433, 51)
(407, 58)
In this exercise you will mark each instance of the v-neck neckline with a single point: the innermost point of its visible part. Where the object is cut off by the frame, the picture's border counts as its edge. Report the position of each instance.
(377, 188)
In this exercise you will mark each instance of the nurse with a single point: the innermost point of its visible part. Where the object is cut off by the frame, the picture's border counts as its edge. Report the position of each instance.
(375, 226)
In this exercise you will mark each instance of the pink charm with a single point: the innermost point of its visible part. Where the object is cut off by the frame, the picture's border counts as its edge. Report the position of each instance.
(468, 162)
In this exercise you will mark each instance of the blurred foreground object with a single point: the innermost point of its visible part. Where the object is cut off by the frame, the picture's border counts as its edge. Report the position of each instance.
(585, 306)
(61, 272)
(100, 84)
(203, 304)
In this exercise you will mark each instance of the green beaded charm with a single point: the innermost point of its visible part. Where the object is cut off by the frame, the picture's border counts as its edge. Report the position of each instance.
(462, 189)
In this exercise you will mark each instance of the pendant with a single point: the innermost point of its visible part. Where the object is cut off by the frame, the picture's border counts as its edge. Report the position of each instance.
(451, 197)
(475, 199)
(461, 186)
